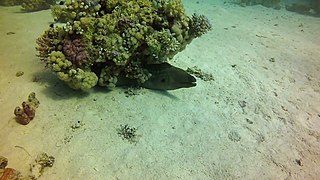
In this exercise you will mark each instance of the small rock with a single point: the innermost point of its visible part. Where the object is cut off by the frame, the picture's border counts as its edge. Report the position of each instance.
(76, 125)
(19, 73)
(234, 136)
(242, 103)
(272, 59)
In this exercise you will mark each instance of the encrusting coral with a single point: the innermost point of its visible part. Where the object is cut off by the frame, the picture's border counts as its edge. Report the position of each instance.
(102, 39)
(27, 112)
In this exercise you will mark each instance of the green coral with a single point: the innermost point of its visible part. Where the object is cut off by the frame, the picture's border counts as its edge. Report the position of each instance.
(75, 78)
(74, 10)
(161, 44)
(58, 62)
(120, 37)
(59, 15)
(29, 5)
(36, 5)
(79, 79)
(10, 2)
(199, 25)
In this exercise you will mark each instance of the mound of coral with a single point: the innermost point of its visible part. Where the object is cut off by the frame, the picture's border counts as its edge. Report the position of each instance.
(29, 5)
(103, 39)
(36, 5)
(10, 2)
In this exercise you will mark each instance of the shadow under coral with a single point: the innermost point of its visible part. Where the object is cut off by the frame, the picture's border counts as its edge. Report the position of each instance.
(55, 88)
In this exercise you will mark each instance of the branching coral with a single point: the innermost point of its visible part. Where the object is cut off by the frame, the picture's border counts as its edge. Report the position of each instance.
(74, 50)
(199, 25)
(50, 41)
(106, 38)
(161, 44)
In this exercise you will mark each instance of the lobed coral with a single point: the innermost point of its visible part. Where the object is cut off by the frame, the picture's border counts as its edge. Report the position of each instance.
(66, 71)
(27, 112)
(102, 40)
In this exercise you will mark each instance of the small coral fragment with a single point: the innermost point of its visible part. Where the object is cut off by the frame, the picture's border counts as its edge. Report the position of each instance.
(128, 133)
(11, 174)
(8, 173)
(3, 162)
(41, 162)
(19, 73)
(27, 112)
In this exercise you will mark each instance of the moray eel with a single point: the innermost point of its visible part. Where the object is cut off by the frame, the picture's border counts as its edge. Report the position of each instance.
(164, 77)
(167, 77)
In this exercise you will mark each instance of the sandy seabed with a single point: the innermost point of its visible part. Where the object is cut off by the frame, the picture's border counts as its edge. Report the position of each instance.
(259, 118)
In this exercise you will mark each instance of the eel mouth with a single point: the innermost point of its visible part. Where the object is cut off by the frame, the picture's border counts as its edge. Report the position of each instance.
(190, 83)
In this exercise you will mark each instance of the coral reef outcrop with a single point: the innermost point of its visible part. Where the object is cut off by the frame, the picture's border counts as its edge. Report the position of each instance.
(101, 39)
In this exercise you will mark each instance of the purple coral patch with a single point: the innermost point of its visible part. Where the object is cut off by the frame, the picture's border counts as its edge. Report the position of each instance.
(74, 50)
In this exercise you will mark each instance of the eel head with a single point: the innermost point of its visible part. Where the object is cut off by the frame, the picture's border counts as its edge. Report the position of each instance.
(167, 77)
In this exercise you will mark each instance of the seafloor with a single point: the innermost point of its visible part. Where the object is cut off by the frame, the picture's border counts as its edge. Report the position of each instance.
(258, 119)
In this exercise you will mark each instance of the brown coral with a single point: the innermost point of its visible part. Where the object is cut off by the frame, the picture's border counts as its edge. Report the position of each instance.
(49, 42)
(3, 162)
(8, 173)
(11, 174)
(21, 116)
(27, 112)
